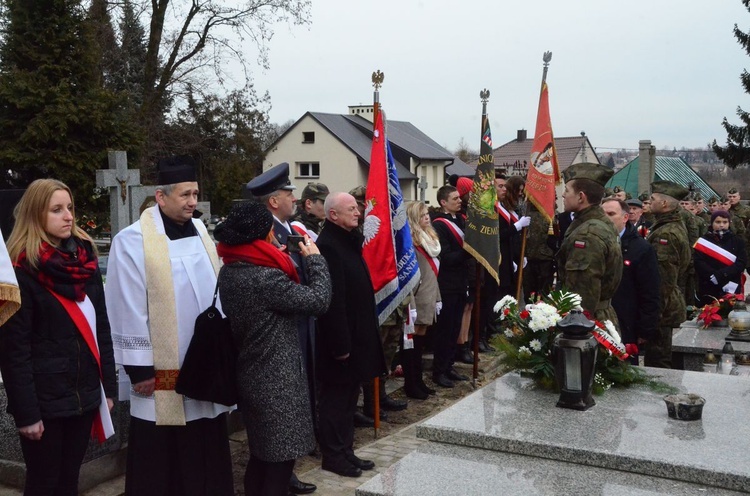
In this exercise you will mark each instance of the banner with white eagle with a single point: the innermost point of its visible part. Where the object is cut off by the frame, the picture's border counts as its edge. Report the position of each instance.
(388, 249)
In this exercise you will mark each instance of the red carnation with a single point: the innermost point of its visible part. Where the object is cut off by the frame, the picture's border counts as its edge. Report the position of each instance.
(524, 314)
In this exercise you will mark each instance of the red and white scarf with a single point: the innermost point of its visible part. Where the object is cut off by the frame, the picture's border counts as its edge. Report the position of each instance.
(714, 251)
(454, 229)
(509, 216)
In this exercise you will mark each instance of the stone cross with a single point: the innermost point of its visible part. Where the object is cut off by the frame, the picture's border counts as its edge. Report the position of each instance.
(118, 178)
(422, 187)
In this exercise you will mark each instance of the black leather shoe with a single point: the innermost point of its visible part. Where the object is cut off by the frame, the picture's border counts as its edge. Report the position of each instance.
(488, 348)
(296, 486)
(362, 420)
(465, 356)
(483, 346)
(360, 463)
(455, 376)
(344, 469)
(391, 405)
(443, 381)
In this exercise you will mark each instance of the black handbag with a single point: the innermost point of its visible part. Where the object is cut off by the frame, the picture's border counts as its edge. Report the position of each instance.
(208, 372)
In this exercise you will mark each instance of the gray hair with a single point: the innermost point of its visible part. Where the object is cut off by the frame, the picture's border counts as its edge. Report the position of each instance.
(264, 199)
(166, 188)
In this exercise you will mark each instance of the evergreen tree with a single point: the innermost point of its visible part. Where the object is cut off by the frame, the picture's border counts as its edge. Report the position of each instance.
(737, 150)
(56, 119)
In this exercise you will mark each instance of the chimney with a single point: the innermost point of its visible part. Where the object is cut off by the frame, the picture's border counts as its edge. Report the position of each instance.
(521, 135)
(364, 111)
(646, 165)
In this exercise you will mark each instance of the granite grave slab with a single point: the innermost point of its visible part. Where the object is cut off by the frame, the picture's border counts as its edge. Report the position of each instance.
(627, 430)
(690, 343)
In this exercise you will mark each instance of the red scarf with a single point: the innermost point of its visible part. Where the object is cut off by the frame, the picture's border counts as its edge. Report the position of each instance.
(259, 252)
(61, 271)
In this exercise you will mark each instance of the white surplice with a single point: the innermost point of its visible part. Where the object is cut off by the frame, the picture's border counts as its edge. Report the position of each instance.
(194, 281)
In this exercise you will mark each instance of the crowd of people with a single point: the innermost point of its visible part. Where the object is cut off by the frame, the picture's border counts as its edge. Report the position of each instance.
(292, 281)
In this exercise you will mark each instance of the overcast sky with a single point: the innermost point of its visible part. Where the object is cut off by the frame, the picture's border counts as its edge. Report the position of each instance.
(664, 70)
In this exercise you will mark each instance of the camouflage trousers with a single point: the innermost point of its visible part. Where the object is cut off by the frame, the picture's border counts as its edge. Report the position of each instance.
(658, 351)
(391, 336)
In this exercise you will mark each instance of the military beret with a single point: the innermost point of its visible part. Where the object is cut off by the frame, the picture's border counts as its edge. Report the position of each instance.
(713, 199)
(593, 172)
(359, 194)
(273, 179)
(724, 199)
(628, 196)
(669, 188)
(315, 191)
(173, 170)
(644, 196)
(608, 192)
(697, 196)
(634, 202)
(732, 191)
(616, 189)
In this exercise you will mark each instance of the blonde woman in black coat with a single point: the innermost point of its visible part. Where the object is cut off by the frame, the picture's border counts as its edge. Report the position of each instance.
(263, 299)
(56, 352)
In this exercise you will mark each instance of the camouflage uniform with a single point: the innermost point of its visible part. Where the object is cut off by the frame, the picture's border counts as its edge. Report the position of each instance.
(740, 215)
(590, 261)
(669, 239)
(310, 222)
(539, 272)
(689, 282)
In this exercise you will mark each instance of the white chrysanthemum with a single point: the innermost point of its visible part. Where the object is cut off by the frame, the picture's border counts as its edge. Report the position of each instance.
(542, 316)
(535, 345)
(612, 331)
(504, 303)
(524, 351)
(576, 300)
(508, 333)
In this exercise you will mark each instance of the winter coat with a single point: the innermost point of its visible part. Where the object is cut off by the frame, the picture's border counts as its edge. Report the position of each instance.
(48, 370)
(351, 323)
(263, 306)
(453, 277)
(636, 300)
(705, 267)
(427, 292)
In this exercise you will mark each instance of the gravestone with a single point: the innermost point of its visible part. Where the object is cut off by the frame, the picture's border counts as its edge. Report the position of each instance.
(690, 343)
(509, 438)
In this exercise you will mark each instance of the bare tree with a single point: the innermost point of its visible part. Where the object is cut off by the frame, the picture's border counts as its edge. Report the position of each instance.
(188, 37)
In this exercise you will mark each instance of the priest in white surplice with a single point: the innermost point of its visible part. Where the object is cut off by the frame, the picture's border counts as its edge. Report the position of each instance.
(161, 274)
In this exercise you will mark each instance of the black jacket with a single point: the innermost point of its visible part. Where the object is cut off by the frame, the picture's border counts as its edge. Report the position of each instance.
(351, 323)
(706, 266)
(636, 300)
(453, 276)
(510, 251)
(48, 370)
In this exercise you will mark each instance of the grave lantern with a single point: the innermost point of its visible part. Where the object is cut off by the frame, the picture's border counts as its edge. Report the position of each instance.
(574, 352)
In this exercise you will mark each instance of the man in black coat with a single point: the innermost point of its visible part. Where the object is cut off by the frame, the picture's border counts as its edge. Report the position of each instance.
(453, 280)
(348, 347)
(636, 300)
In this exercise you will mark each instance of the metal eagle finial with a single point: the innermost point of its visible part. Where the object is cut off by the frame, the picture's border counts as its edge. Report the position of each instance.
(547, 57)
(484, 95)
(377, 79)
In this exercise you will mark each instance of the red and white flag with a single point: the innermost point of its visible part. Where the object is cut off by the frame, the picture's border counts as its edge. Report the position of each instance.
(714, 251)
(544, 172)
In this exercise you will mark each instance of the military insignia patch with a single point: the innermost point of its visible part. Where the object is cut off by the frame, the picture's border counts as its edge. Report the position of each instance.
(663, 241)
(580, 244)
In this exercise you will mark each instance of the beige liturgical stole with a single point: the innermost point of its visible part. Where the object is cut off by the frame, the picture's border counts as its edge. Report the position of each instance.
(10, 295)
(162, 315)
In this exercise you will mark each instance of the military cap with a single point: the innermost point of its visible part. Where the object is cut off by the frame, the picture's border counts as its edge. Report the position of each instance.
(643, 196)
(697, 196)
(315, 191)
(593, 172)
(732, 191)
(628, 196)
(359, 194)
(634, 202)
(724, 199)
(608, 192)
(273, 179)
(669, 188)
(616, 189)
(713, 199)
(173, 170)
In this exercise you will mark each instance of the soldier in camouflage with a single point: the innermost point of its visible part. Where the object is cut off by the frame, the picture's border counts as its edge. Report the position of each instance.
(589, 261)
(646, 201)
(538, 275)
(669, 238)
(310, 213)
(741, 213)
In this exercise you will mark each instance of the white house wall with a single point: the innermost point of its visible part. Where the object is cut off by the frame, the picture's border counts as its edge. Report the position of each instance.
(339, 166)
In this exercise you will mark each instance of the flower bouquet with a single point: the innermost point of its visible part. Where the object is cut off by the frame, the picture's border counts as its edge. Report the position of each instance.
(529, 332)
(718, 310)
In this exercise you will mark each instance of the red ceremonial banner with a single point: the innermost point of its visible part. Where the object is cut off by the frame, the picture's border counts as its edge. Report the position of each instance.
(379, 250)
(544, 172)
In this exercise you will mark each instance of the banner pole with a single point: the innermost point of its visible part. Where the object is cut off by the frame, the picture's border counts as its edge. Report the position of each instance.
(377, 81)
